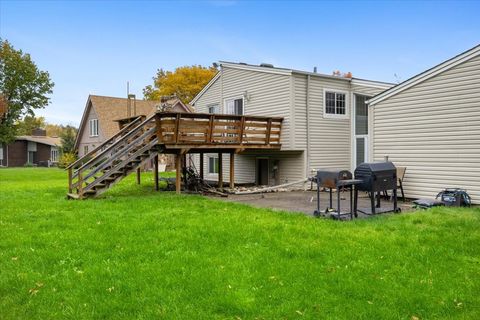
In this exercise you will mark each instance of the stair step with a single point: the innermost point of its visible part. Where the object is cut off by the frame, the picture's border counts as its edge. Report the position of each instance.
(73, 196)
(100, 186)
(90, 192)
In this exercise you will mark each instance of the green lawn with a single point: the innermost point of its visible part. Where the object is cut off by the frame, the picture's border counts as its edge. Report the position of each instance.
(138, 254)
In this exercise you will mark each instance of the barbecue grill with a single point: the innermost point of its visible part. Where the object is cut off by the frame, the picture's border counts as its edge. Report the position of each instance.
(377, 177)
(335, 179)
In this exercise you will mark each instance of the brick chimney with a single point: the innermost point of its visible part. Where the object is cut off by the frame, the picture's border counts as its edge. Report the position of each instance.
(39, 132)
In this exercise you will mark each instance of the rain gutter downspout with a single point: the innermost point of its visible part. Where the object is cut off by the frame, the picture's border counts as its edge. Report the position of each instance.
(307, 107)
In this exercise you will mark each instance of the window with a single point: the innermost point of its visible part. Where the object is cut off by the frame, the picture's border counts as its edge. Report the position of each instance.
(212, 164)
(234, 106)
(214, 108)
(85, 150)
(54, 154)
(335, 104)
(93, 127)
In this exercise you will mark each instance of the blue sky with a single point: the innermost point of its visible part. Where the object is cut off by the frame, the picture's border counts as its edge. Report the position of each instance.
(95, 47)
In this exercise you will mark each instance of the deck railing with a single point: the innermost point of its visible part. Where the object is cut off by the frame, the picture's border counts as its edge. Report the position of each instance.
(218, 129)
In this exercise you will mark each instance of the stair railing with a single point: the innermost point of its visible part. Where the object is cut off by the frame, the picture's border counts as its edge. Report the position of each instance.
(106, 154)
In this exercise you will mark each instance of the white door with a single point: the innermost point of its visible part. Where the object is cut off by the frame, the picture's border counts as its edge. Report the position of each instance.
(360, 138)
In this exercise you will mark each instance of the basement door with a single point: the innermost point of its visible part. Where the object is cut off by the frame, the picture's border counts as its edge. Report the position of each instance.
(360, 138)
(262, 172)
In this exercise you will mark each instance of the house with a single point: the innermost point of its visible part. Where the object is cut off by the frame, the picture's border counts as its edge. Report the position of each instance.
(430, 123)
(99, 117)
(326, 122)
(36, 149)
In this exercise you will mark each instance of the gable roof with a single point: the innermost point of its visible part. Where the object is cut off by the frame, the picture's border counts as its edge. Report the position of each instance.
(442, 67)
(51, 141)
(208, 85)
(287, 72)
(109, 109)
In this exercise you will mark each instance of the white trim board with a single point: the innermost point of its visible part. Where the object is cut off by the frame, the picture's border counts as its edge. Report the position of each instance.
(444, 66)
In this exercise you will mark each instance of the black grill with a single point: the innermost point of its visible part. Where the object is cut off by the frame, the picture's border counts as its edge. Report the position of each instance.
(377, 177)
(335, 179)
(332, 179)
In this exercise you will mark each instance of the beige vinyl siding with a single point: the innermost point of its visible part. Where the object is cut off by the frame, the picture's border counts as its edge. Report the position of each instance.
(433, 128)
(330, 138)
(269, 96)
(211, 96)
(300, 102)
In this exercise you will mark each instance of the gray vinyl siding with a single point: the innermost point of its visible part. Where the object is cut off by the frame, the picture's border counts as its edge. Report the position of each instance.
(433, 128)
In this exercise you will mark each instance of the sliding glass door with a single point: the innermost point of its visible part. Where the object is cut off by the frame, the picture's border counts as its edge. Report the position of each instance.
(360, 129)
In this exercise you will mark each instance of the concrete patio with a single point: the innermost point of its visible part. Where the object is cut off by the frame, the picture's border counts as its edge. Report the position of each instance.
(306, 201)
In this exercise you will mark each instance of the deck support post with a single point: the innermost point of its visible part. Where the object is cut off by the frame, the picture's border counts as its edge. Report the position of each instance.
(220, 170)
(178, 169)
(201, 165)
(70, 173)
(155, 168)
(232, 170)
(184, 169)
(138, 175)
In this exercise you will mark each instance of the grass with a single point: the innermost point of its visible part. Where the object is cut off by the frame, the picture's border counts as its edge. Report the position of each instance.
(140, 254)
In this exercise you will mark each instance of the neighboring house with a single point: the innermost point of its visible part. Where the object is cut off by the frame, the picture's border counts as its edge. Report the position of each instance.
(99, 117)
(431, 124)
(326, 122)
(37, 149)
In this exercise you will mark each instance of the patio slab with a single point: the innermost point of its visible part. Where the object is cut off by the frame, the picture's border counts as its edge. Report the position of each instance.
(306, 201)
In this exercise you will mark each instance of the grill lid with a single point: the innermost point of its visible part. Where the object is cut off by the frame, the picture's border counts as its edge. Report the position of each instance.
(376, 167)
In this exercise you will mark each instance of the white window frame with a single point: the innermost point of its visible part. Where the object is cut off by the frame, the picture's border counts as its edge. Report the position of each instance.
(347, 103)
(233, 99)
(93, 125)
(216, 106)
(208, 164)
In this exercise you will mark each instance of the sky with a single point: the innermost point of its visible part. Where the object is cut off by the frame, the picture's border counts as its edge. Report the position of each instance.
(95, 47)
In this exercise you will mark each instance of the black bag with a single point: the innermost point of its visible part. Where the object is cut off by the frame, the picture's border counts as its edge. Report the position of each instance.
(455, 197)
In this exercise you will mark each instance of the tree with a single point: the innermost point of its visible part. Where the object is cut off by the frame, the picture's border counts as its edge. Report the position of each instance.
(68, 139)
(25, 126)
(23, 86)
(185, 82)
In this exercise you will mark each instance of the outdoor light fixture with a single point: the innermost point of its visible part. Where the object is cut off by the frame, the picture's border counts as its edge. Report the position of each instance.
(246, 95)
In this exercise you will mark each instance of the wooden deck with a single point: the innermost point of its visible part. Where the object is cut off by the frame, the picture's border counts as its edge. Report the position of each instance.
(208, 132)
(140, 139)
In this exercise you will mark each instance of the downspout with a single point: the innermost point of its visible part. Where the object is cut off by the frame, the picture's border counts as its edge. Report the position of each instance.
(7, 155)
(307, 107)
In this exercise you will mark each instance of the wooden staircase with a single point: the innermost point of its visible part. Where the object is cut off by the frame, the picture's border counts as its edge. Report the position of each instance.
(113, 160)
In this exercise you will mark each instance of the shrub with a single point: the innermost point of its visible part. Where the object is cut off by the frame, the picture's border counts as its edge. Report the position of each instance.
(66, 159)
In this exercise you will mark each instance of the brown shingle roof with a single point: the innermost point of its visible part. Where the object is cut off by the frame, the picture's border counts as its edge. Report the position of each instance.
(109, 109)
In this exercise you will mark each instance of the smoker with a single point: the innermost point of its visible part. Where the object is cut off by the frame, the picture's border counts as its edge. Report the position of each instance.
(376, 178)
(335, 179)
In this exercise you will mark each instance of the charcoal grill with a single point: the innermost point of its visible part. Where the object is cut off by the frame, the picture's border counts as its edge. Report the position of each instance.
(376, 178)
(335, 179)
